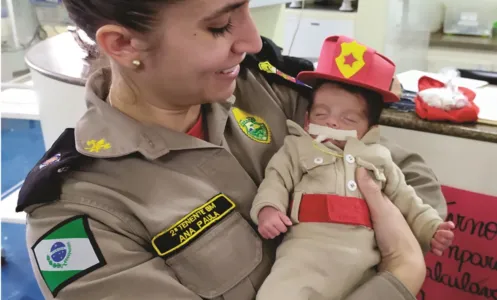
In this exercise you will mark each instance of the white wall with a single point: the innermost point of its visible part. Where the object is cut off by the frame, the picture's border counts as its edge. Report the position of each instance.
(457, 162)
(61, 105)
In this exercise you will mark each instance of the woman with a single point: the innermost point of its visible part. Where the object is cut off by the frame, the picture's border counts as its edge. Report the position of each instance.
(151, 196)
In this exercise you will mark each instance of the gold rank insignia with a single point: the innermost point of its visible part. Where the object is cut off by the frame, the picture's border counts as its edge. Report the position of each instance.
(97, 146)
(253, 126)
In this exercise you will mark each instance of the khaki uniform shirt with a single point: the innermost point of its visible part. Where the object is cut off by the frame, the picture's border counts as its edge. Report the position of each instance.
(149, 181)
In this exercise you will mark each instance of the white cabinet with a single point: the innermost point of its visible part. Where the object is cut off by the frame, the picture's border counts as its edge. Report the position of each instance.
(313, 30)
(446, 158)
(395, 28)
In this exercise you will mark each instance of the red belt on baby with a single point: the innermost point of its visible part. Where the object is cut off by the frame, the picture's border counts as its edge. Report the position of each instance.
(323, 208)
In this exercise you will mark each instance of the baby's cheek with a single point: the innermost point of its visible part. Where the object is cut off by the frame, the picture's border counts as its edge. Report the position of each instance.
(362, 129)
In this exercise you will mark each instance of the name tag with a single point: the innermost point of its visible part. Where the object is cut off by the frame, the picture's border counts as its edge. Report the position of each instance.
(192, 225)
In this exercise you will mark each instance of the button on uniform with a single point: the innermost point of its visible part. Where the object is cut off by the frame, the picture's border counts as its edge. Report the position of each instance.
(318, 160)
(352, 185)
(350, 159)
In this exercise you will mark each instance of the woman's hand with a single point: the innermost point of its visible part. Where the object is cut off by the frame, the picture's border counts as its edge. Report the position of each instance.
(401, 253)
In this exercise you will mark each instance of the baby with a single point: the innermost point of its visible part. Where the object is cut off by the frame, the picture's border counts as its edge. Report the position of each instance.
(329, 248)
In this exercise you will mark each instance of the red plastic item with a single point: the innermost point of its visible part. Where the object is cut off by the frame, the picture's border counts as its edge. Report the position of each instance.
(325, 208)
(345, 60)
(462, 115)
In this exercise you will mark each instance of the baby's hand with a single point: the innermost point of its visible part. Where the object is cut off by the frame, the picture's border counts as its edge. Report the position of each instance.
(272, 222)
(442, 238)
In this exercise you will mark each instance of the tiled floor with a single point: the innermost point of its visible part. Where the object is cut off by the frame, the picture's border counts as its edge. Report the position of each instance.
(22, 147)
(18, 282)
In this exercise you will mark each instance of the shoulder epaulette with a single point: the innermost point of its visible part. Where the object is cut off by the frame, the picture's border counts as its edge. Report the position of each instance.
(44, 182)
(276, 67)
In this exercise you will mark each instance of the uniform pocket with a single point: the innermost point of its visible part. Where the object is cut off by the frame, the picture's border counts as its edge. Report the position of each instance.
(219, 259)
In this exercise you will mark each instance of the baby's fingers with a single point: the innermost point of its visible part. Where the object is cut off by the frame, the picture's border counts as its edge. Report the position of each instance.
(446, 226)
(445, 234)
(437, 252)
(279, 226)
(437, 247)
(286, 220)
(264, 233)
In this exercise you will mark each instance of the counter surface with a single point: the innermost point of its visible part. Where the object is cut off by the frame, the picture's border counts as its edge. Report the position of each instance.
(409, 120)
(60, 58)
(439, 39)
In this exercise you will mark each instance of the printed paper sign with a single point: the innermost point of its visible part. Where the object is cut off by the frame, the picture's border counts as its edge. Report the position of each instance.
(468, 270)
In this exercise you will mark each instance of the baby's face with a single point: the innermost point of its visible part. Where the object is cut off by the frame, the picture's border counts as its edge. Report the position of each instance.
(336, 108)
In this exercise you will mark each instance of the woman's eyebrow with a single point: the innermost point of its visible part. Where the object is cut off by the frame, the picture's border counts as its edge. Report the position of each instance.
(225, 9)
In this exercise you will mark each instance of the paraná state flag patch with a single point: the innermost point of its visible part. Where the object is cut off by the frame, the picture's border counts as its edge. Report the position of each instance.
(66, 253)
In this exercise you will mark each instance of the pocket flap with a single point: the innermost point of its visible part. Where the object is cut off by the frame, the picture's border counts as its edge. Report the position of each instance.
(219, 259)
(378, 173)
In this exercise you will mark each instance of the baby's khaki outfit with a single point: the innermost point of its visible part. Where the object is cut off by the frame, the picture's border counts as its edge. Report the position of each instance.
(328, 260)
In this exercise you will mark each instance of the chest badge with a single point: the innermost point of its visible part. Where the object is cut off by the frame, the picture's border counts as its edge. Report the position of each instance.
(253, 126)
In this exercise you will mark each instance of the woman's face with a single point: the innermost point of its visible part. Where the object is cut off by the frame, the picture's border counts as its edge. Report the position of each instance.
(202, 45)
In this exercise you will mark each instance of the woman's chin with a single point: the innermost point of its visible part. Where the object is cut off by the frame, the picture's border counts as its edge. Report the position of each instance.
(222, 94)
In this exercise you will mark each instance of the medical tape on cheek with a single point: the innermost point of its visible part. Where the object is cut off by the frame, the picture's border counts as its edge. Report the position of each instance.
(323, 132)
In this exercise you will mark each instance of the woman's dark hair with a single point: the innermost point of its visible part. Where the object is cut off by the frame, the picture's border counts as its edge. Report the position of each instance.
(374, 100)
(137, 15)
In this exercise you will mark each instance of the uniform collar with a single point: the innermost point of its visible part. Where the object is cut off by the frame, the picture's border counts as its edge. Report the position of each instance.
(105, 132)
(372, 136)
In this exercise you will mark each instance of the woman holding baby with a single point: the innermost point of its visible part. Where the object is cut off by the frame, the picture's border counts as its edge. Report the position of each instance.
(163, 168)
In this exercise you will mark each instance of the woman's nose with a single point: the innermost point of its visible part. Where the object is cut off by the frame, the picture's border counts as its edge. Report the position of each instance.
(248, 38)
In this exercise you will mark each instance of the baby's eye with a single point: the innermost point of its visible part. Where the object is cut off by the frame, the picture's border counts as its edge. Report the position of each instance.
(319, 114)
(350, 120)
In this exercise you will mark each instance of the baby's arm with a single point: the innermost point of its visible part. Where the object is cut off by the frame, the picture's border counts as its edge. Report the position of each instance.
(282, 173)
(422, 218)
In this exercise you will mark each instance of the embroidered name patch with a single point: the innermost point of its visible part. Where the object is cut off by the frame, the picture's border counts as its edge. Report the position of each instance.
(66, 253)
(192, 225)
(253, 126)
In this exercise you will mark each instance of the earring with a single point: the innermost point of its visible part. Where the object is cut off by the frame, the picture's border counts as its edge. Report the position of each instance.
(136, 63)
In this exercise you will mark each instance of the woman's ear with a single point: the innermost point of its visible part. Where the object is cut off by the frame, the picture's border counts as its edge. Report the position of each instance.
(119, 44)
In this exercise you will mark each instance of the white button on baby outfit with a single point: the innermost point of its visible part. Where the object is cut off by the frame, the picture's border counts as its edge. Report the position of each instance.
(318, 160)
(350, 159)
(352, 185)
